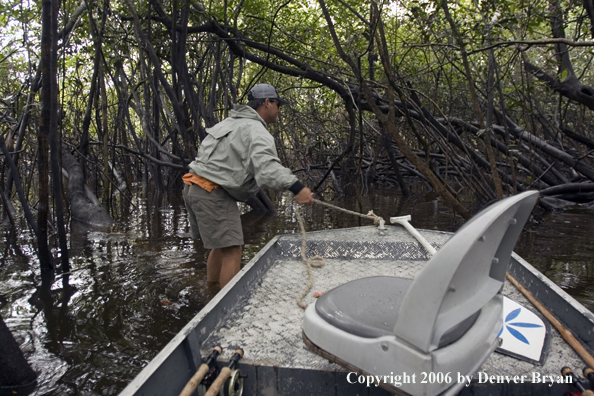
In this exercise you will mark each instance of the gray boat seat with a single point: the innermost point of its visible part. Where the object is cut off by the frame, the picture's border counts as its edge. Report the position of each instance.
(374, 315)
(446, 320)
(366, 307)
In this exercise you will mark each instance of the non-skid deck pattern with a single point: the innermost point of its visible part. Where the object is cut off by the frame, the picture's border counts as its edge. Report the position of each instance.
(267, 324)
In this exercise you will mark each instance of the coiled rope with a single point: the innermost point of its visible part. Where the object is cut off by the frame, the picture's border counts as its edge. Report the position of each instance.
(317, 261)
(314, 262)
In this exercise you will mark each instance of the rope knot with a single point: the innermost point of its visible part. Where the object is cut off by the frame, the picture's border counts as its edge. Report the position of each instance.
(376, 219)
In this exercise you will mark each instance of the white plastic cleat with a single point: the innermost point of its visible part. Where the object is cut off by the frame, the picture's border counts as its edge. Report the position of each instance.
(404, 221)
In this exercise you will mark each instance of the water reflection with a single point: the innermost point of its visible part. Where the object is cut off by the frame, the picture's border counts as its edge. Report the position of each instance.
(134, 286)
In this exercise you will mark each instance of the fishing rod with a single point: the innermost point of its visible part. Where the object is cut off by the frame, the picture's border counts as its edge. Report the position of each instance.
(202, 371)
(566, 371)
(236, 383)
(589, 373)
(565, 334)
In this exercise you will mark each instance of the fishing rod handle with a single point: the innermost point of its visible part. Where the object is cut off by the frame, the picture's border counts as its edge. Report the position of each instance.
(219, 382)
(195, 380)
(225, 374)
(566, 371)
(589, 373)
(235, 358)
(202, 371)
(212, 358)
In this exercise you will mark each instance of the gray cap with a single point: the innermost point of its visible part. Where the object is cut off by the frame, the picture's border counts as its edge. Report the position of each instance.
(266, 91)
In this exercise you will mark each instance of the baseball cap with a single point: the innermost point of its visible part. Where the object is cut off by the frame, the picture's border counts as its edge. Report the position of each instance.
(266, 91)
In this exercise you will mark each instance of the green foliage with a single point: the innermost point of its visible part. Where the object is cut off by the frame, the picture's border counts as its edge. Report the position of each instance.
(423, 54)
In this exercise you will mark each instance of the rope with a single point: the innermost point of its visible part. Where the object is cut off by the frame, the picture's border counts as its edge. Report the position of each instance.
(317, 261)
(370, 215)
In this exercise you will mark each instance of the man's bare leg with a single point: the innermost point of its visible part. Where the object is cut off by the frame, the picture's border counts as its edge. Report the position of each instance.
(213, 265)
(223, 264)
(231, 263)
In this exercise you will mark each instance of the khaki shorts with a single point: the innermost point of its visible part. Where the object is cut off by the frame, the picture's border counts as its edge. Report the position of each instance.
(214, 217)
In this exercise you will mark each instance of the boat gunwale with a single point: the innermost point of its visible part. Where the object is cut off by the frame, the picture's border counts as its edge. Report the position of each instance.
(570, 312)
(227, 298)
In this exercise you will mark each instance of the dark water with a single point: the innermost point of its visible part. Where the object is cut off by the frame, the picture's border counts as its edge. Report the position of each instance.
(132, 288)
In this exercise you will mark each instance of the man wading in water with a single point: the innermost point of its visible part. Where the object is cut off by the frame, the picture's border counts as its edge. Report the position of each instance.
(235, 160)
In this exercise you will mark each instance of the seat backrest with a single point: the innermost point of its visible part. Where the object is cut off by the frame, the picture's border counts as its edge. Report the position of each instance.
(465, 274)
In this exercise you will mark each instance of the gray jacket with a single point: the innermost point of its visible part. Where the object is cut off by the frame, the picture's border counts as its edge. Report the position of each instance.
(239, 155)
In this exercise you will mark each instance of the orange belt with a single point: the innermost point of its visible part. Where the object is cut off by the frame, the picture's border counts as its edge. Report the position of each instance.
(190, 178)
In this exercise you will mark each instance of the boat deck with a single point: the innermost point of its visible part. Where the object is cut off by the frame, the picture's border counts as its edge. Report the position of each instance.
(257, 311)
(267, 322)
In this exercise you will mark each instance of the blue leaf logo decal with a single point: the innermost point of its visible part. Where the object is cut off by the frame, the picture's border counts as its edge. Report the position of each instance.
(520, 324)
(512, 315)
(515, 332)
